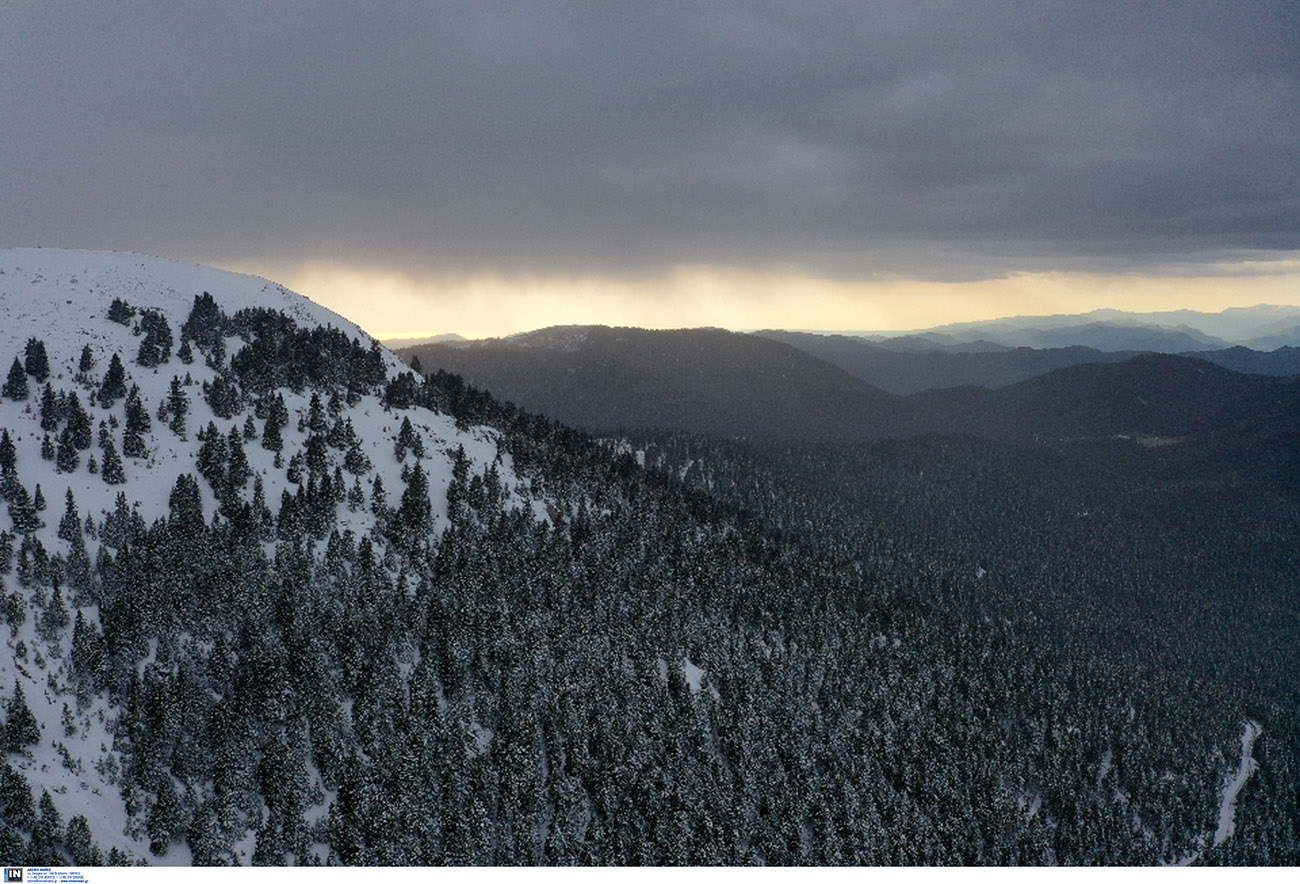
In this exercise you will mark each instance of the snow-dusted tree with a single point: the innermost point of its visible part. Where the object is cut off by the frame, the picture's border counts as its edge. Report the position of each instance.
(177, 406)
(113, 387)
(36, 361)
(67, 458)
(21, 727)
(138, 423)
(79, 424)
(111, 471)
(120, 312)
(156, 348)
(16, 385)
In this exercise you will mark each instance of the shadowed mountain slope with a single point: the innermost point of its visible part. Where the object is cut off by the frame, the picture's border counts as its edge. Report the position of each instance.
(698, 380)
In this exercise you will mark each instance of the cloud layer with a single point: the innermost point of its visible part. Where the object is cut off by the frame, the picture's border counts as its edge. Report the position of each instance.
(938, 141)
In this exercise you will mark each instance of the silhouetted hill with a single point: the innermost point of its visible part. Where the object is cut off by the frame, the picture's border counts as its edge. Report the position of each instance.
(1281, 362)
(928, 365)
(1151, 395)
(730, 385)
(695, 380)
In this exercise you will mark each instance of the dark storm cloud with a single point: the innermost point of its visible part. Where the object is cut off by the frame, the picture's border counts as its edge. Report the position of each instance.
(943, 139)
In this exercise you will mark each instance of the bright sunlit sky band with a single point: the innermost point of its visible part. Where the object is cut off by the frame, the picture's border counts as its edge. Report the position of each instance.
(488, 168)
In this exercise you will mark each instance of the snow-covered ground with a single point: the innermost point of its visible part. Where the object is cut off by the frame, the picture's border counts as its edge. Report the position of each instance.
(62, 298)
(1232, 788)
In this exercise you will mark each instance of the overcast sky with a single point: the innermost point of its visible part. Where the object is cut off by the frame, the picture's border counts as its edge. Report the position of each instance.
(468, 157)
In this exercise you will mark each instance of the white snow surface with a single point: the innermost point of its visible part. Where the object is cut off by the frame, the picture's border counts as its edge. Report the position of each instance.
(1232, 788)
(62, 297)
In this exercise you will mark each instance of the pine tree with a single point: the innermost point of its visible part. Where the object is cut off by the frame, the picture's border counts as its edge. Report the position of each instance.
(87, 360)
(16, 386)
(156, 348)
(120, 312)
(70, 524)
(271, 440)
(112, 471)
(178, 405)
(80, 845)
(21, 727)
(113, 387)
(79, 424)
(67, 458)
(138, 423)
(415, 514)
(47, 448)
(186, 507)
(16, 805)
(205, 324)
(55, 616)
(8, 454)
(21, 511)
(51, 410)
(316, 415)
(238, 471)
(37, 363)
(47, 835)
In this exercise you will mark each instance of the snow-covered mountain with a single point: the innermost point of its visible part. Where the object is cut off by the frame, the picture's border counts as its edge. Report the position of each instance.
(58, 308)
(268, 597)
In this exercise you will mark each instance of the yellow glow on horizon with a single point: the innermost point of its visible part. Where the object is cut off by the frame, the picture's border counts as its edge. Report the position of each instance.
(391, 304)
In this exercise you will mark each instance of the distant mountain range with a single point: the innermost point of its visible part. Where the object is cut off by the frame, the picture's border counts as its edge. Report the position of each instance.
(699, 380)
(914, 363)
(1262, 327)
(764, 390)
(399, 343)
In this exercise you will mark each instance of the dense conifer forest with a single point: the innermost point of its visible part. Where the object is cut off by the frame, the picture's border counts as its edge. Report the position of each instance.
(380, 617)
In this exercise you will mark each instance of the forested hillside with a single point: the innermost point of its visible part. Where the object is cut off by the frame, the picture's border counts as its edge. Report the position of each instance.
(270, 597)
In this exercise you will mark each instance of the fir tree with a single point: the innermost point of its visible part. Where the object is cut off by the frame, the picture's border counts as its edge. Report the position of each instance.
(156, 348)
(120, 312)
(80, 845)
(51, 410)
(316, 415)
(55, 616)
(178, 405)
(21, 511)
(205, 325)
(47, 835)
(47, 448)
(70, 524)
(112, 471)
(37, 363)
(223, 397)
(113, 387)
(21, 728)
(238, 471)
(16, 386)
(185, 505)
(86, 362)
(16, 805)
(67, 458)
(8, 455)
(415, 514)
(271, 440)
(137, 424)
(79, 424)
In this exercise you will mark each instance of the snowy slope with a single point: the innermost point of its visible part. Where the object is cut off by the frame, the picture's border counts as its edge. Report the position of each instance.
(62, 298)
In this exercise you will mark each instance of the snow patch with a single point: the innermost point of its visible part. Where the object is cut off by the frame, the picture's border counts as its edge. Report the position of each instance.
(1232, 788)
